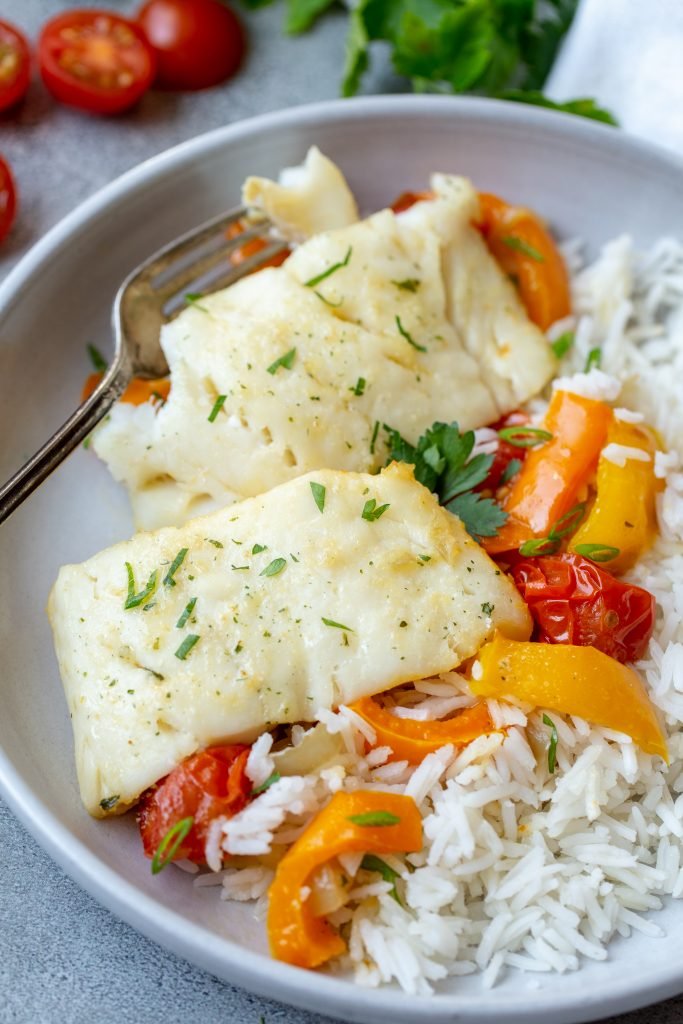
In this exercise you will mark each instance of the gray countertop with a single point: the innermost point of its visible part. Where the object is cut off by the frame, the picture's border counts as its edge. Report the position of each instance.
(63, 958)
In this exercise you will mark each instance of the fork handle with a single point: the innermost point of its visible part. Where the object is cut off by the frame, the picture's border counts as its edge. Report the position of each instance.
(64, 440)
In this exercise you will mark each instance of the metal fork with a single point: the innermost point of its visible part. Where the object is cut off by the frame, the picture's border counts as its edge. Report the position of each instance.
(154, 293)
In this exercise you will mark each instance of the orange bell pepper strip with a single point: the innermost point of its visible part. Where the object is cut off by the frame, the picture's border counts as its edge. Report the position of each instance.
(525, 250)
(367, 821)
(573, 680)
(411, 740)
(138, 391)
(546, 487)
(623, 520)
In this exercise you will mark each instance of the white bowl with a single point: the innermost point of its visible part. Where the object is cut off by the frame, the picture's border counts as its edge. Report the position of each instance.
(587, 180)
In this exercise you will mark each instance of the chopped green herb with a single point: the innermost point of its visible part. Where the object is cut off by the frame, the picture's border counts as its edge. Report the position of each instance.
(287, 361)
(274, 567)
(330, 270)
(239, 568)
(519, 245)
(372, 863)
(266, 785)
(552, 749)
(524, 437)
(107, 802)
(186, 646)
(512, 469)
(169, 845)
(169, 581)
(442, 463)
(598, 552)
(187, 611)
(487, 608)
(217, 406)
(328, 302)
(192, 299)
(405, 334)
(258, 548)
(371, 511)
(318, 491)
(216, 543)
(411, 284)
(563, 344)
(133, 600)
(425, 558)
(360, 386)
(97, 359)
(374, 819)
(337, 625)
(594, 360)
(373, 439)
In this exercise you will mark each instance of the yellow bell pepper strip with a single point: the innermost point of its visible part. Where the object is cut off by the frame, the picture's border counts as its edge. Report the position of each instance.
(573, 680)
(622, 523)
(520, 242)
(367, 821)
(546, 487)
(411, 740)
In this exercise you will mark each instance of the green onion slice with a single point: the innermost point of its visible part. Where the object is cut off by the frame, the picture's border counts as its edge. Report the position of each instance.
(374, 819)
(519, 245)
(552, 749)
(598, 552)
(524, 437)
(133, 600)
(594, 360)
(169, 580)
(540, 546)
(217, 406)
(568, 522)
(168, 847)
(405, 334)
(273, 778)
(186, 646)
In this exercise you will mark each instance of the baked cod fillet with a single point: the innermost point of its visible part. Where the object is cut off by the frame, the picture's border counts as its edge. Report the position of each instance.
(416, 322)
(263, 613)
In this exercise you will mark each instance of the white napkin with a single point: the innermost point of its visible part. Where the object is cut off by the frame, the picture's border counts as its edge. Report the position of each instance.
(628, 55)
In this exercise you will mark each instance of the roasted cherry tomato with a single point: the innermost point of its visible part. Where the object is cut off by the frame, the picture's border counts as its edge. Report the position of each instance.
(15, 65)
(243, 252)
(408, 199)
(198, 43)
(8, 199)
(95, 60)
(574, 601)
(204, 787)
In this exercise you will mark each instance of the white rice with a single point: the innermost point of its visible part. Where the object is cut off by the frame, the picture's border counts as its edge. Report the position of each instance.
(521, 869)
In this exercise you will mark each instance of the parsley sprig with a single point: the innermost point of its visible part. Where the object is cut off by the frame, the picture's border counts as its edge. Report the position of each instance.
(443, 463)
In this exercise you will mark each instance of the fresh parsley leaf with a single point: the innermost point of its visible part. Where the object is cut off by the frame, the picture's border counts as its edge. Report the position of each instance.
(512, 469)
(318, 491)
(487, 608)
(330, 270)
(374, 819)
(405, 334)
(274, 568)
(582, 107)
(217, 406)
(481, 517)
(371, 511)
(302, 13)
(258, 548)
(336, 625)
(99, 363)
(286, 361)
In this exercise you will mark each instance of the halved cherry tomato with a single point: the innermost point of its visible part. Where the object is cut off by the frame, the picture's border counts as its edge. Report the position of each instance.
(198, 43)
(205, 786)
(243, 252)
(574, 601)
(8, 199)
(95, 60)
(15, 65)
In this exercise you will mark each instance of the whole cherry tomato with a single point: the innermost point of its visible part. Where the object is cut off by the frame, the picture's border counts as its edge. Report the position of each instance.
(198, 43)
(95, 60)
(574, 601)
(204, 786)
(8, 199)
(15, 65)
